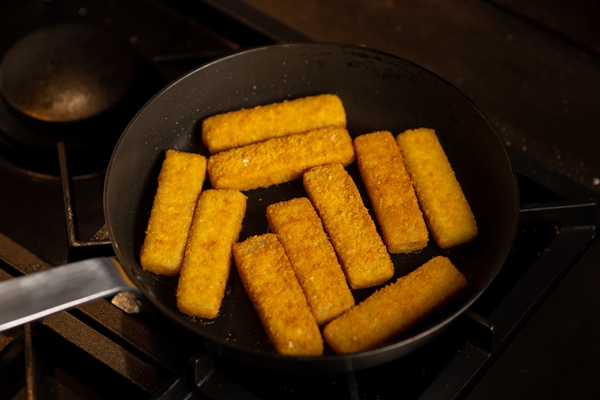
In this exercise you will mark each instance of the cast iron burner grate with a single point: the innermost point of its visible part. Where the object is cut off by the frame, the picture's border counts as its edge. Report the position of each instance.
(99, 351)
(163, 41)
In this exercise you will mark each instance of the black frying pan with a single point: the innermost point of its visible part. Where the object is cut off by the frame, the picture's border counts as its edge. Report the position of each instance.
(379, 92)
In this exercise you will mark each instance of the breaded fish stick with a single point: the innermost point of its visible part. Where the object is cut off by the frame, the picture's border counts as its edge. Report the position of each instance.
(205, 270)
(277, 297)
(396, 308)
(246, 126)
(447, 212)
(353, 234)
(313, 259)
(391, 192)
(279, 160)
(179, 184)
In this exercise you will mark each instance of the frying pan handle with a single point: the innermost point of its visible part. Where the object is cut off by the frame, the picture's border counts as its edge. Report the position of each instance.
(27, 298)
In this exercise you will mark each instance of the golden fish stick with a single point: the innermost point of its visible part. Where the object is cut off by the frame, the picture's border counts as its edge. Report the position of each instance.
(207, 262)
(391, 192)
(270, 282)
(351, 229)
(179, 184)
(279, 160)
(396, 308)
(313, 259)
(444, 205)
(242, 127)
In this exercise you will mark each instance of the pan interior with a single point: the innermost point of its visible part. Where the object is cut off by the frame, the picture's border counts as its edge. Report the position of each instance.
(379, 92)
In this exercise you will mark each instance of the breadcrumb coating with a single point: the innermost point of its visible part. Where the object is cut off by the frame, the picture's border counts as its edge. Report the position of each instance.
(395, 308)
(444, 205)
(391, 192)
(351, 229)
(179, 185)
(270, 282)
(279, 160)
(207, 262)
(300, 231)
(251, 125)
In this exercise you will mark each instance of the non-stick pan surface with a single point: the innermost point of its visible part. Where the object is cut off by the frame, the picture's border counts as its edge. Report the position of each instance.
(379, 92)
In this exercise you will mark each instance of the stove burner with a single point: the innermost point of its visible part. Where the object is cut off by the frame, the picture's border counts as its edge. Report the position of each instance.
(71, 83)
(66, 73)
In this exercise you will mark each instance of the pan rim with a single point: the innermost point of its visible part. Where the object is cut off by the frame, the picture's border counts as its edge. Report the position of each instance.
(227, 347)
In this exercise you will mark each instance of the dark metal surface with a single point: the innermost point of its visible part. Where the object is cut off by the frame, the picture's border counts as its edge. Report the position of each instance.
(67, 72)
(536, 77)
(97, 333)
(159, 31)
(533, 67)
(558, 362)
(27, 150)
(387, 93)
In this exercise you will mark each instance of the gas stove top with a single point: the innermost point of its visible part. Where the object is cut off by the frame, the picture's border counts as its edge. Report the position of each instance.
(114, 348)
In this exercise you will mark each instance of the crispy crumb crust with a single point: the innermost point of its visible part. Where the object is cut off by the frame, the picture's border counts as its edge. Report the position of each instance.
(279, 160)
(444, 205)
(205, 270)
(391, 192)
(179, 185)
(396, 307)
(246, 126)
(351, 229)
(312, 256)
(270, 282)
